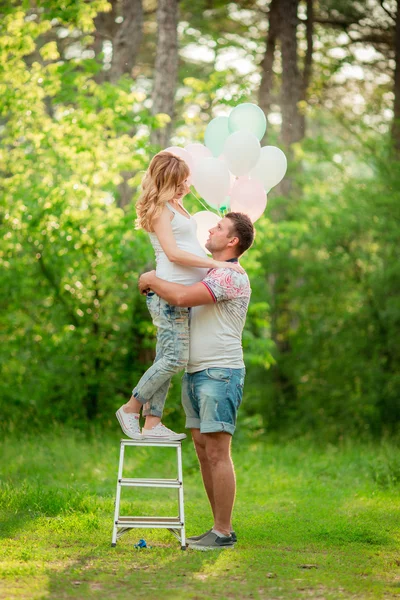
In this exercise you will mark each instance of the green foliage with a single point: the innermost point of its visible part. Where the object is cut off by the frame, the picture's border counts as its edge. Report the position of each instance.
(75, 335)
(341, 316)
(71, 338)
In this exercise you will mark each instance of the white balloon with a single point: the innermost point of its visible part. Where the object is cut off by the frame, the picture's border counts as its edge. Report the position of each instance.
(198, 151)
(232, 177)
(270, 168)
(211, 180)
(205, 220)
(241, 152)
(182, 153)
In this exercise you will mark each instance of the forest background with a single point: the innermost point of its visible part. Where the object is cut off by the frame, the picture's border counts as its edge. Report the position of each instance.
(89, 91)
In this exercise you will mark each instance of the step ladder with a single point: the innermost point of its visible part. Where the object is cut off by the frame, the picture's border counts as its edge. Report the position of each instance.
(176, 525)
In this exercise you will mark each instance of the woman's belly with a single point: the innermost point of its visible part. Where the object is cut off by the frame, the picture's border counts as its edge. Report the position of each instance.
(179, 274)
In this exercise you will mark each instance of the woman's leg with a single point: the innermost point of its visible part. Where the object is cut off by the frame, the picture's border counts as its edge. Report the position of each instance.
(172, 324)
(172, 354)
(152, 408)
(128, 415)
(134, 406)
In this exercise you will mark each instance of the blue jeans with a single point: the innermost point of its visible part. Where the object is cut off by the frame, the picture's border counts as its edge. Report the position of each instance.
(172, 353)
(211, 399)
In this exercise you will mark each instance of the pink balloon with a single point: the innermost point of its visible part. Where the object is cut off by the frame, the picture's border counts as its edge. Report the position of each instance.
(198, 151)
(182, 153)
(205, 220)
(248, 196)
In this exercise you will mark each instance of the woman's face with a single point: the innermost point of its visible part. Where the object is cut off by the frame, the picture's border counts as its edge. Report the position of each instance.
(182, 189)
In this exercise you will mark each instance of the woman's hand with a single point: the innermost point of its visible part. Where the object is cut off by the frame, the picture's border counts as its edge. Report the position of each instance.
(229, 265)
(145, 280)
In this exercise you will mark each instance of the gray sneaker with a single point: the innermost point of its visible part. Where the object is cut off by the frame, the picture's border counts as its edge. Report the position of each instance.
(212, 541)
(196, 538)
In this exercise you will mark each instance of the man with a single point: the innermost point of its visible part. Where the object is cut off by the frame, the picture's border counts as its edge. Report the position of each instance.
(212, 387)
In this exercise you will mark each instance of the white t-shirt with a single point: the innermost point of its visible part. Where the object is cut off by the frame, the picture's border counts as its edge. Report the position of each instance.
(185, 234)
(216, 329)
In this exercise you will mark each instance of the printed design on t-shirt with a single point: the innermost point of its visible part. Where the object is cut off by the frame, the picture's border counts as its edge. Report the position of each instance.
(226, 284)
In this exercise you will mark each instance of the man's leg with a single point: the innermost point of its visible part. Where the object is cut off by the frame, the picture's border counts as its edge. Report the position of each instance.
(221, 472)
(199, 440)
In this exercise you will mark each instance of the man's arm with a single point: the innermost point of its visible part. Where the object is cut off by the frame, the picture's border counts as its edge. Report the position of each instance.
(175, 293)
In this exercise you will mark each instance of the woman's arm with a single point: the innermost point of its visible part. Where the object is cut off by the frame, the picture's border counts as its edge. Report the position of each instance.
(163, 230)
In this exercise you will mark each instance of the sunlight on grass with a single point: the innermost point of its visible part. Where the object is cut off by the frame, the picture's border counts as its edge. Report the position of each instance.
(311, 522)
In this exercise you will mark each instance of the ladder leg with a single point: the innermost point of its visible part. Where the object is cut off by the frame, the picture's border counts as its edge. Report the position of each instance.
(180, 496)
(118, 494)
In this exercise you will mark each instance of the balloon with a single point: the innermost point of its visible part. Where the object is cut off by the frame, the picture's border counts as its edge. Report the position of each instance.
(226, 205)
(232, 177)
(216, 133)
(241, 151)
(205, 220)
(271, 167)
(249, 197)
(198, 151)
(182, 153)
(249, 117)
(211, 180)
(232, 181)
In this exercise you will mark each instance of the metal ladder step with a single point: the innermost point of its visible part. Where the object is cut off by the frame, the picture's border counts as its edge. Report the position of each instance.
(149, 521)
(162, 483)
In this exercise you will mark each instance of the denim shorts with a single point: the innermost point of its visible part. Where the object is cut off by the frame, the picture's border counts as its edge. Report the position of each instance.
(211, 399)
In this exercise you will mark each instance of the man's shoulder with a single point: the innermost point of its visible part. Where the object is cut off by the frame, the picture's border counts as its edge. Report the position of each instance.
(225, 272)
(228, 278)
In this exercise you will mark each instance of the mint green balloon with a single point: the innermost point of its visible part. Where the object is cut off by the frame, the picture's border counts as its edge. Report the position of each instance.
(250, 117)
(216, 133)
(226, 205)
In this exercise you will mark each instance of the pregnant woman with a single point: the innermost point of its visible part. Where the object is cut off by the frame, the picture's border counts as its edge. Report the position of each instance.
(179, 259)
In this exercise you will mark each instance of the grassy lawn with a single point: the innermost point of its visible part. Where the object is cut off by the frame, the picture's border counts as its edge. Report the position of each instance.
(312, 522)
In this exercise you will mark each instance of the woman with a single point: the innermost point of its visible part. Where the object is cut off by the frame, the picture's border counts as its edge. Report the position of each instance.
(180, 259)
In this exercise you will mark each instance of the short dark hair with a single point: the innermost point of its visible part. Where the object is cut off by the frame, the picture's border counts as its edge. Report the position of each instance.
(242, 228)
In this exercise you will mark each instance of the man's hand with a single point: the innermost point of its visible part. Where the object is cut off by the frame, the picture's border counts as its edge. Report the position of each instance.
(145, 281)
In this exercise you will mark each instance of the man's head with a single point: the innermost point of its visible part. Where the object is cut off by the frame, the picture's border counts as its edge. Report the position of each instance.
(231, 237)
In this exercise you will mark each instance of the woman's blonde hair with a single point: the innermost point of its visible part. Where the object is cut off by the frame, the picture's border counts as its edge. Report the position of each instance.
(164, 175)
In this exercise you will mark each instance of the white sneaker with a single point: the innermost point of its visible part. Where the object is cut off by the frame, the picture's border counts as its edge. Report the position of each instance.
(129, 424)
(160, 432)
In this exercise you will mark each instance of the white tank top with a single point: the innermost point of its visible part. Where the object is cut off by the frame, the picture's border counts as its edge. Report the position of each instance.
(185, 234)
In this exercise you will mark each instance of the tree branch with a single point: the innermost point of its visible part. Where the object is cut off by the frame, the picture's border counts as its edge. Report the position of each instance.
(51, 280)
(339, 23)
(387, 11)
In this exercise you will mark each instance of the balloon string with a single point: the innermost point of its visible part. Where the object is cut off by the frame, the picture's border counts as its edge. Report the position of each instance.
(202, 203)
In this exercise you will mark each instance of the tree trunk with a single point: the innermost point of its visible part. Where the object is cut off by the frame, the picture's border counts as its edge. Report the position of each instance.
(166, 68)
(105, 28)
(265, 91)
(127, 39)
(307, 63)
(291, 131)
(291, 79)
(396, 107)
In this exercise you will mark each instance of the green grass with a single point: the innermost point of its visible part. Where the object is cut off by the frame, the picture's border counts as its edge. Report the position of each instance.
(312, 522)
